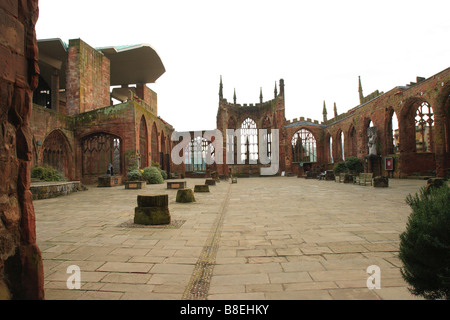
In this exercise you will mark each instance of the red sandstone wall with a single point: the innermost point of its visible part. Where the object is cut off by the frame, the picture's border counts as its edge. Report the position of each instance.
(21, 269)
(88, 78)
(435, 91)
(149, 97)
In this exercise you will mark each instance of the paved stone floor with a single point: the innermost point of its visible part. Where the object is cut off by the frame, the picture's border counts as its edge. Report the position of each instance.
(263, 238)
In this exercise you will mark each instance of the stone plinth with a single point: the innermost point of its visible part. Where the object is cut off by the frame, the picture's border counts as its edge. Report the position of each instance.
(185, 196)
(176, 184)
(152, 210)
(109, 181)
(201, 188)
(381, 182)
(329, 175)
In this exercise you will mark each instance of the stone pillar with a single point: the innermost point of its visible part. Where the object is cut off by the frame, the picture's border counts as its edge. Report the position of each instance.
(21, 268)
(55, 91)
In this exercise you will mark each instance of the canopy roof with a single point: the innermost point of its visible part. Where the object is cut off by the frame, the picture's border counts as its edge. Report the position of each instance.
(129, 64)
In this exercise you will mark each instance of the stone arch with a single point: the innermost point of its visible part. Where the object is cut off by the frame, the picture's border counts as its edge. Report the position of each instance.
(98, 150)
(340, 150)
(143, 143)
(57, 153)
(329, 148)
(304, 146)
(154, 144)
(163, 151)
(366, 123)
(407, 128)
(392, 135)
(352, 142)
(249, 141)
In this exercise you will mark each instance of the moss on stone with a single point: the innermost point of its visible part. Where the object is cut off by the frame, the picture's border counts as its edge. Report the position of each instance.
(201, 188)
(152, 216)
(185, 196)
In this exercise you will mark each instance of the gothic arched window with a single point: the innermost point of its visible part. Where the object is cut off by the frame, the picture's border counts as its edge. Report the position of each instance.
(304, 148)
(249, 140)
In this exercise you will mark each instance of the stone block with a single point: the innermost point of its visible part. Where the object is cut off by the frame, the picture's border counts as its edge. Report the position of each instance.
(185, 196)
(109, 181)
(151, 215)
(329, 175)
(381, 182)
(159, 200)
(135, 184)
(176, 184)
(201, 188)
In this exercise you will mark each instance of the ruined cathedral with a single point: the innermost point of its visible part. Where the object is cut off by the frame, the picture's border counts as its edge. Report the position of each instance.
(84, 110)
(92, 108)
(407, 127)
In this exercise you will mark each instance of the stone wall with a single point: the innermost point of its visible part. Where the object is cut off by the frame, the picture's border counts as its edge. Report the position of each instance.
(21, 269)
(88, 78)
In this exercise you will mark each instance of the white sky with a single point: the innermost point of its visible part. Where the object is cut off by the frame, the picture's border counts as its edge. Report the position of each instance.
(319, 48)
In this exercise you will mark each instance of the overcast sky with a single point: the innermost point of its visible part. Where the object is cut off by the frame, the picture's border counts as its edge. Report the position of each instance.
(319, 48)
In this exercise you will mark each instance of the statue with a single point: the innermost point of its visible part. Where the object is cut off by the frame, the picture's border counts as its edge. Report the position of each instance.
(110, 170)
(372, 134)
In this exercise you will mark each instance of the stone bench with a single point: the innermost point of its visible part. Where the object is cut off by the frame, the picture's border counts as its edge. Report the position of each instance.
(152, 210)
(210, 182)
(176, 184)
(363, 178)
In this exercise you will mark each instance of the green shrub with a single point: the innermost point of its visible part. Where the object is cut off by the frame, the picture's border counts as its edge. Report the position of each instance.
(354, 164)
(47, 173)
(340, 167)
(163, 174)
(134, 175)
(425, 245)
(152, 175)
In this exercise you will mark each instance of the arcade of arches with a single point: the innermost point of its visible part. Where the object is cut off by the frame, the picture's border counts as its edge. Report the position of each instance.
(411, 124)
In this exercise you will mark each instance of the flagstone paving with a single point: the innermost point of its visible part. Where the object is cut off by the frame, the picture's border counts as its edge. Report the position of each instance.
(262, 238)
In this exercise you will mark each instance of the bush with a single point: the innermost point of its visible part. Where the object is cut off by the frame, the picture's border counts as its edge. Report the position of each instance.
(152, 175)
(163, 174)
(340, 167)
(47, 173)
(134, 175)
(425, 245)
(354, 164)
